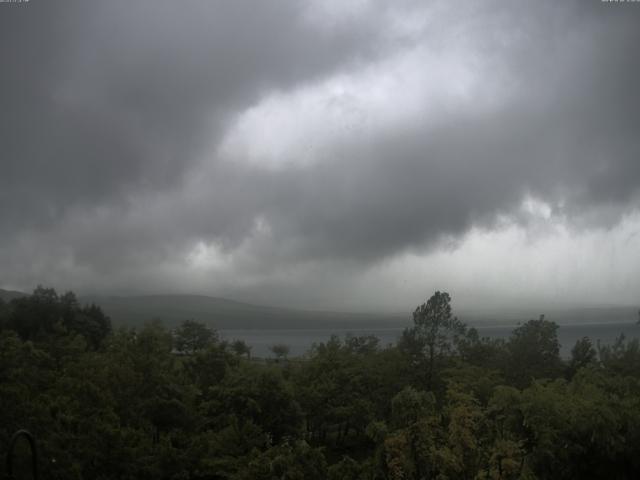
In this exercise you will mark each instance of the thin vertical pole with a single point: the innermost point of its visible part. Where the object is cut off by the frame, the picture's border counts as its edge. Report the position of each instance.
(34, 452)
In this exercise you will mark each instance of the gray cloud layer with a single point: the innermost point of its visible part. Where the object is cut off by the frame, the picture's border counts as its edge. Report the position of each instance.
(113, 116)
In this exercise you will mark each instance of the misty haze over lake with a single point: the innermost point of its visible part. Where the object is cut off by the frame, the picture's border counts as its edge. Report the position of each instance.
(301, 340)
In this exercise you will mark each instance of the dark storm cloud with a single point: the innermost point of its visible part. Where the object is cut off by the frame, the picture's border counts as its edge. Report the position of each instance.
(568, 138)
(112, 112)
(103, 99)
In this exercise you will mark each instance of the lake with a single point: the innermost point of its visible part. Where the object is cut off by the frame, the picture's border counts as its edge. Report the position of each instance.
(300, 340)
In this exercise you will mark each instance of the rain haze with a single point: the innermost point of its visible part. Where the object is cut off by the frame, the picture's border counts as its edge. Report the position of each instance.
(320, 239)
(323, 155)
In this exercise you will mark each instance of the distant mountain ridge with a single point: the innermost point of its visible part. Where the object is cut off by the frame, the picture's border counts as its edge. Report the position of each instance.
(8, 295)
(223, 313)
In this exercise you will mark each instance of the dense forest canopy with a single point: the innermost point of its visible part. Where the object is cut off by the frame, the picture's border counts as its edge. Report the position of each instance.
(442, 403)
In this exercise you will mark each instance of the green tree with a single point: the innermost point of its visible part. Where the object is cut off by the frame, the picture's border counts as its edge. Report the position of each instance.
(41, 314)
(346, 469)
(343, 388)
(582, 355)
(434, 335)
(255, 393)
(4, 314)
(280, 351)
(206, 368)
(622, 357)
(34, 316)
(534, 352)
(240, 348)
(191, 337)
(89, 321)
(297, 461)
(486, 352)
(411, 449)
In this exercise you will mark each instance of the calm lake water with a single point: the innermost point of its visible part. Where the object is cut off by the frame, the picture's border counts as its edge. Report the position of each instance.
(300, 340)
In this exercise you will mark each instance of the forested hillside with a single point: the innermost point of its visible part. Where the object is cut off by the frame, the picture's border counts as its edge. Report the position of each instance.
(443, 403)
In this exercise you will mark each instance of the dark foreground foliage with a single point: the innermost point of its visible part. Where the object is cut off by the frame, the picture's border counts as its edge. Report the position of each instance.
(441, 404)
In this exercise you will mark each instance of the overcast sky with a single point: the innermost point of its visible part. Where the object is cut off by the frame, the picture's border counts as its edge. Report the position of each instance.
(334, 154)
